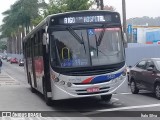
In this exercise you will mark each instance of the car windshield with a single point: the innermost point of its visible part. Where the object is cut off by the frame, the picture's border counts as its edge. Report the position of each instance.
(87, 47)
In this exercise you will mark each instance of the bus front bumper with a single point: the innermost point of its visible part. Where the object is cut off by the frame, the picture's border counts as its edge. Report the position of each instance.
(114, 86)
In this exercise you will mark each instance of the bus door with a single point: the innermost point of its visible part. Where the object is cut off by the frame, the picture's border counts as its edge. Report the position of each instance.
(38, 61)
(26, 55)
(33, 59)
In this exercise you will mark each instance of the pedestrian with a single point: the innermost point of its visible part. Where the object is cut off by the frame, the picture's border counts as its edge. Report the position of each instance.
(0, 65)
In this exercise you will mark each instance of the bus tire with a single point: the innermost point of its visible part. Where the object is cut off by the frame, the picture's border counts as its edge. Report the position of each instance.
(48, 100)
(106, 97)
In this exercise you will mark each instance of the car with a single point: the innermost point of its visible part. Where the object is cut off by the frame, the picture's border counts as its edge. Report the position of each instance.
(8, 59)
(145, 75)
(4, 57)
(13, 60)
(21, 62)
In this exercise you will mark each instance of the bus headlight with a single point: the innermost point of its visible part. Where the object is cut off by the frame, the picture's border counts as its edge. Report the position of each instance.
(69, 84)
(124, 73)
(62, 82)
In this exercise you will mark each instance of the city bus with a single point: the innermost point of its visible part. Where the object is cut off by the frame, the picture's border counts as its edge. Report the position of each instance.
(76, 54)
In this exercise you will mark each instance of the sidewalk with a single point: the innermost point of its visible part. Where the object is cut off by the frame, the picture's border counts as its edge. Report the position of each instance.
(5, 79)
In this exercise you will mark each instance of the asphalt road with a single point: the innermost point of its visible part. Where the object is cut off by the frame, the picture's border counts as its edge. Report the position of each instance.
(18, 97)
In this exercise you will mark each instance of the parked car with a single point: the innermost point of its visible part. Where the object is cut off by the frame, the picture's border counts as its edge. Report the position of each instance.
(13, 60)
(8, 59)
(21, 62)
(145, 75)
(4, 57)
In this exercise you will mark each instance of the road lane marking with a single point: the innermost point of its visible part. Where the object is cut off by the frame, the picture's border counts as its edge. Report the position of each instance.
(10, 76)
(120, 108)
(123, 94)
(115, 99)
(6, 79)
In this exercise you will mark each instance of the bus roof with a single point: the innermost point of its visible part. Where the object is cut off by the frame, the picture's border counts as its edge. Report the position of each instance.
(46, 21)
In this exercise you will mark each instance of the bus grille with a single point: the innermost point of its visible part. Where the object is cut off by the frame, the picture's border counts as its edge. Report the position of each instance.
(92, 72)
(89, 83)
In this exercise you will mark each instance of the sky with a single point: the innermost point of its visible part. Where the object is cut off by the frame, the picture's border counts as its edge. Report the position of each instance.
(134, 8)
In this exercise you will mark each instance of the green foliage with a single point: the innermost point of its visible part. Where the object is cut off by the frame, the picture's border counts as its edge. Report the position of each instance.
(60, 6)
(143, 21)
(3, 45)
(74, 5)
(26, 13)
(20, 14)
(37, 20)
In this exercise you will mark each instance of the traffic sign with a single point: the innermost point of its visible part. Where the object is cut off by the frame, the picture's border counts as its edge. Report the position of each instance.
(135, 35)
(134, 31)
(91, 31)
(129, 30)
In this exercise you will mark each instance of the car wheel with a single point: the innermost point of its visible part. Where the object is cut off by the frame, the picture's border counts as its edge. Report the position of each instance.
(134, 88)
(157, 91)
(106, 97)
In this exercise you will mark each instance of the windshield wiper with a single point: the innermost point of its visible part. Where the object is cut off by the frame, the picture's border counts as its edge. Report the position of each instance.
(83, 42)
(101, 36)
(76, 36)
(96, 43)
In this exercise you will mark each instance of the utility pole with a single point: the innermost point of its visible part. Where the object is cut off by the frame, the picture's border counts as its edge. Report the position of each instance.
(124, 15)
(101, 4)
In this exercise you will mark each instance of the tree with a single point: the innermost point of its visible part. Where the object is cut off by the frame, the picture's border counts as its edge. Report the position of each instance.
(74, 5)
(110, 8)
(18, 17)
(60, 6)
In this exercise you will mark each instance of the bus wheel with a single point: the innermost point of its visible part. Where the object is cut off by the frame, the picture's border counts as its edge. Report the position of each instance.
(106, 97)
(48, 100)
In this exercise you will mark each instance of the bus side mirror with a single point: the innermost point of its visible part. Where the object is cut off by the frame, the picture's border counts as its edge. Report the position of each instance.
(46, 40)
(125, 40)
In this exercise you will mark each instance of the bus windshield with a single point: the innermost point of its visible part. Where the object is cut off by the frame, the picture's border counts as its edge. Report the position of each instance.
(87, 47)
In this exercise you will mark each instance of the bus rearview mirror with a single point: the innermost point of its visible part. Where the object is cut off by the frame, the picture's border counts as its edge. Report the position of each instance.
(125, 37)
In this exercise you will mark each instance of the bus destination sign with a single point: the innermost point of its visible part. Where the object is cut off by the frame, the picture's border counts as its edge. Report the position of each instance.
(87, 19)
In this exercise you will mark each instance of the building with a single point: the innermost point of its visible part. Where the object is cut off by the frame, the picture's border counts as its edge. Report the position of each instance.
(145, 34)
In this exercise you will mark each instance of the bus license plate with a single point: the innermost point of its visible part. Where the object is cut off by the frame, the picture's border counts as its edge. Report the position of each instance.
(93, 89)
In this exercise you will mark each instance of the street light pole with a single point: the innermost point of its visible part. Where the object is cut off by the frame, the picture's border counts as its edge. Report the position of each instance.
(124, 15)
